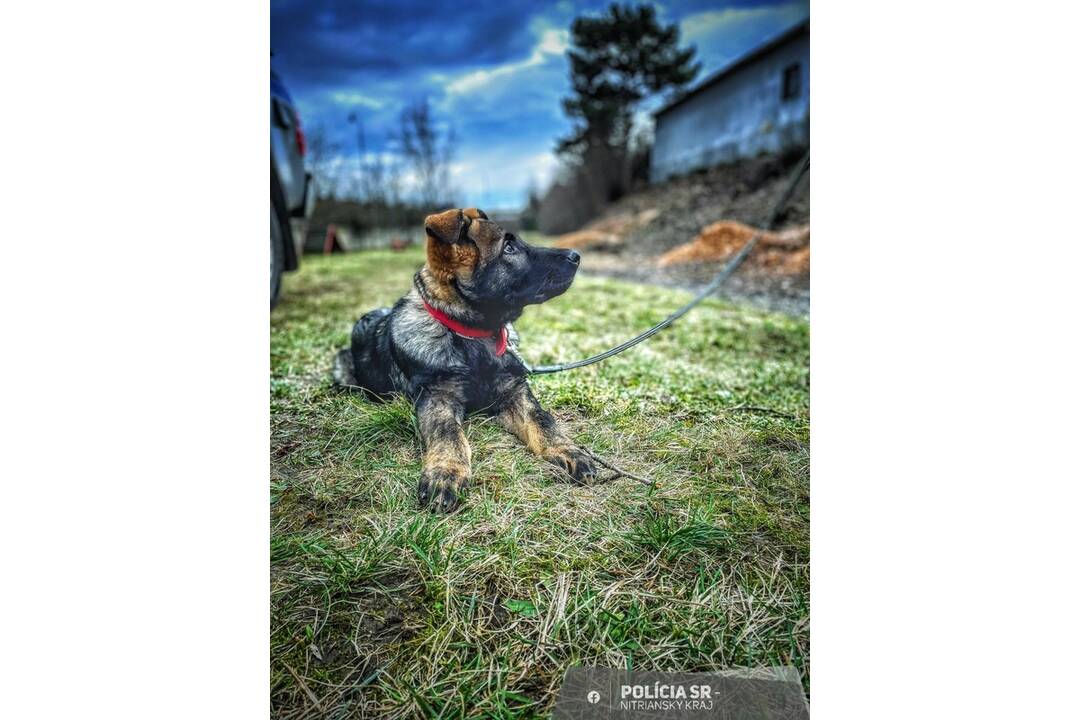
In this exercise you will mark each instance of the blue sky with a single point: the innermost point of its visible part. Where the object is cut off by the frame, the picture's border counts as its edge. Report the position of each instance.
(495, 71)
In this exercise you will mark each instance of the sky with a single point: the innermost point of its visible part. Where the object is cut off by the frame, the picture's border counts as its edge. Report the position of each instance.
(496, 71)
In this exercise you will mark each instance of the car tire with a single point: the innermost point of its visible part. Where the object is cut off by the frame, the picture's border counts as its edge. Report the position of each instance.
(277, 256)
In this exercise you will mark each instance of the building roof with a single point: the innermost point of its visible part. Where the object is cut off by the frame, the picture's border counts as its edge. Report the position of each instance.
(717, 77)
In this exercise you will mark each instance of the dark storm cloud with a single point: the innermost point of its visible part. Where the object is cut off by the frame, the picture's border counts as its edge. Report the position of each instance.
(327, 42)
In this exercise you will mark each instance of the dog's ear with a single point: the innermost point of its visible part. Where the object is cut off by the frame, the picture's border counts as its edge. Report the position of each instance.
(450, 254)
(452, 226)
(449, 226)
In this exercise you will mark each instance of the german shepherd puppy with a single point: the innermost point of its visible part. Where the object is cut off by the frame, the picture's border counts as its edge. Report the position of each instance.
(444, 345)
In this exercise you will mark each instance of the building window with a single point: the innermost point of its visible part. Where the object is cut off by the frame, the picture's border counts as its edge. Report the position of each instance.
(792, 88)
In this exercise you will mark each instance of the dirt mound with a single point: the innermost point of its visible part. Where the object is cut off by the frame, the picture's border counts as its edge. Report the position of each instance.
(787, 251)
(607, 232)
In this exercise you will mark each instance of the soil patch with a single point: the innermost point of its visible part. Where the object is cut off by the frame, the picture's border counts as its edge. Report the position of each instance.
(711, 213)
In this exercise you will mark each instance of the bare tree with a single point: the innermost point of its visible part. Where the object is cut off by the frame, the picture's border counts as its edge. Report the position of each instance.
(393, 180)
(429, 151)
(371, 179)
(358, 181)
(320, 152)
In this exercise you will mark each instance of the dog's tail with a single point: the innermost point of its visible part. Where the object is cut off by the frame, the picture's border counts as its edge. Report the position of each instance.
(344, 372)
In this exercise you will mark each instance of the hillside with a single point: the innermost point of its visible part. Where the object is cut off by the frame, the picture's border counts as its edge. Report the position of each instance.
(630, 237)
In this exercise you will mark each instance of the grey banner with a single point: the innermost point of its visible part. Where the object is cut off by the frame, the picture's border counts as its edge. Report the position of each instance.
(750, 694)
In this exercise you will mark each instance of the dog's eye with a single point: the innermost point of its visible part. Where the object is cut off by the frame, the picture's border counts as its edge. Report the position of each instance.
(509, 248)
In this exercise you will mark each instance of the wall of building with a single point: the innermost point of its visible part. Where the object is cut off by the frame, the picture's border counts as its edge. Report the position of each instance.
(743, 115)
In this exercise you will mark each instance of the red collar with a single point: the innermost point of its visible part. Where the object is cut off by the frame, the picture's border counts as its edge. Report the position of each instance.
(469, 332)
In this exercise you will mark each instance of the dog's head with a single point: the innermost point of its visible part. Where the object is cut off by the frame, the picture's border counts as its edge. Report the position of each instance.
(496, 272)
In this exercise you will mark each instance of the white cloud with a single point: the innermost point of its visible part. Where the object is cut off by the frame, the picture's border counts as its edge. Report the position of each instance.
(355, 99)
(552, 43)
(711, 22)
(499, 179)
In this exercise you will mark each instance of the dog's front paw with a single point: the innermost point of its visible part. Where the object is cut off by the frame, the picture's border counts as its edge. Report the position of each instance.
(440, 488)
(574, 462)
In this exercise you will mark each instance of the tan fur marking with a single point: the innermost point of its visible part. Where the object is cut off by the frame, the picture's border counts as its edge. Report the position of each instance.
(446, 261)
(451, 453)
(487, 236)
(525, 429)
(446, 225)
(542, 435)
(447, 455)
(449, 259)
(518, 419)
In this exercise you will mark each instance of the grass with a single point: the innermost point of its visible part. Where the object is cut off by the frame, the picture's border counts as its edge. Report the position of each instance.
(378, 609)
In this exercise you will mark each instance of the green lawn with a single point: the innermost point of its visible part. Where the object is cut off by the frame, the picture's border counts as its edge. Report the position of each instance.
(379, 609)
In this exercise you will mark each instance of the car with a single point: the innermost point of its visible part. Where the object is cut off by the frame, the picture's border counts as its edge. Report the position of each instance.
(292, 189)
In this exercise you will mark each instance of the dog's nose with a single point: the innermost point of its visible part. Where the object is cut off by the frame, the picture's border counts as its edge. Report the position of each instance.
(573, 258)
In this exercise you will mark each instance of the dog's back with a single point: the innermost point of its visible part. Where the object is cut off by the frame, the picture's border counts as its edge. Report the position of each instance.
(361, 366)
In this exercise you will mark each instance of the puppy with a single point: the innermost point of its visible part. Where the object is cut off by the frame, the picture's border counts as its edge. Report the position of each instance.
(444, 346)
